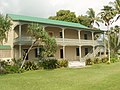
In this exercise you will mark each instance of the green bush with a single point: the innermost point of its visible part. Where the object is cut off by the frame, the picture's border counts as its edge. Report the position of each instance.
(113, 59)
(104, 60)
(97, 60)
(89, 62)
(11, 69)
(49, 63)
(30, 66)
(62, 63)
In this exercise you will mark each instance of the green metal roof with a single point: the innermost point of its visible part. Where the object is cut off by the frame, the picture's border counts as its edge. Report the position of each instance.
(44, 20)
(15, 17)
(5, 47)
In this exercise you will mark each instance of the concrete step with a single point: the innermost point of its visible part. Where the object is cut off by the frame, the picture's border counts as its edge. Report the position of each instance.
(76, 64)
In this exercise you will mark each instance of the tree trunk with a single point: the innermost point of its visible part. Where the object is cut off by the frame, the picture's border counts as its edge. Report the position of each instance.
(28, 52)
(108, 45)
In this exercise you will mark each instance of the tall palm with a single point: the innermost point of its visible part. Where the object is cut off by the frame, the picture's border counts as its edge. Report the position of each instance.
(107, 16)
(116, 5)
(93, 18)
(114, 40)
(5, 25)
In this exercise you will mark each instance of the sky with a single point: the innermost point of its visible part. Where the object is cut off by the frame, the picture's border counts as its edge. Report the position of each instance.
(46, 8)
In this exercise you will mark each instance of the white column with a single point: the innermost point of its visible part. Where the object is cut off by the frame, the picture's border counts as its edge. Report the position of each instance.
(64, 52)
(79, 35)
(63, 33)
(104, 45)
(93, 37)
(19, 31)
(20, 55)
(80, 53)
(94, 51)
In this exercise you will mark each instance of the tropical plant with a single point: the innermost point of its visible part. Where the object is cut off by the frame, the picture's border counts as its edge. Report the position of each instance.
(93, 18)
(116, 5)
(5, 26)
(107, 16)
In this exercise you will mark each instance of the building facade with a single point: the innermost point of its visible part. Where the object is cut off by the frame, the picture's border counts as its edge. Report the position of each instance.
(75, 41)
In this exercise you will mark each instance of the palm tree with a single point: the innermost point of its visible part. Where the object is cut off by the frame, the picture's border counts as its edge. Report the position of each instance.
(116, 5)
(114, 40)
(93, 18)
(41, 38)
(107, 16)
(5, 26)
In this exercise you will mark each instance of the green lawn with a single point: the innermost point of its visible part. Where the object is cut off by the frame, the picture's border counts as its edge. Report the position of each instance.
(97, 77)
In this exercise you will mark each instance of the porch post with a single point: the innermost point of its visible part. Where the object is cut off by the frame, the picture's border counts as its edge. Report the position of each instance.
(79, 35)
(63, 33)
(20, 55)
(80, 53)
(93, 51)
(64, 52)
(104, 45)
(93, 37)
(20, 31)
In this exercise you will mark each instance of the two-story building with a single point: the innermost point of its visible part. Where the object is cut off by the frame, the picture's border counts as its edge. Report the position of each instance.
(74, 40)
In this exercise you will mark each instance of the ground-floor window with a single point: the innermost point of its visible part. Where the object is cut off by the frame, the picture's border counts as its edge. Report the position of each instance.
(38, 52)
(24, 53)
(61, 53)
(86, 51)
(77, 52)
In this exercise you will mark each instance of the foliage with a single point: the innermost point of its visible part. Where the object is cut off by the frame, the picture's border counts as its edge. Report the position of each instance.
(30, 66)
(93, 18)
(89, 62)
(5, 26)
(105, 59)
(64, 15)
(62, 63)
(49, 63)
(97, 60)
(84, 20)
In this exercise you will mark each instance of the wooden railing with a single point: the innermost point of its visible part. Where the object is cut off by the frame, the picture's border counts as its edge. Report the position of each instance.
(61, 41)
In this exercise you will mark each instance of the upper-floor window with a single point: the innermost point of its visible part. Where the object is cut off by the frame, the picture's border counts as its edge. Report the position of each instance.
(85, 36)
(51, 33)
(61, 34)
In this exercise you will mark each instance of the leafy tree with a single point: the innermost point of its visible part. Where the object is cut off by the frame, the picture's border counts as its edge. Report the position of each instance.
(114, 40)
(41, 38)
(64, 15)
(5, 26)
(84, 20)
(93, 18)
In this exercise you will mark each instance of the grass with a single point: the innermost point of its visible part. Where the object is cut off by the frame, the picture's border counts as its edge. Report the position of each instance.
(97, 77)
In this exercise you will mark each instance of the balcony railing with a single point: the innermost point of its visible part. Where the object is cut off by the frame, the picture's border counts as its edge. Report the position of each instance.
(60, 41)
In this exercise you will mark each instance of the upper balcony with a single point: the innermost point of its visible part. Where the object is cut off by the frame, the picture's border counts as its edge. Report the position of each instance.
(60, 41)
(63, 36)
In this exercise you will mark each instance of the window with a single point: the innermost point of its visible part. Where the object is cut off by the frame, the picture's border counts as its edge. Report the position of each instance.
(86, 51)
(61, 53)
(50, 33)
(77, 52)
(85, 36)
(24, 53)
(61, 34)
(38, 52)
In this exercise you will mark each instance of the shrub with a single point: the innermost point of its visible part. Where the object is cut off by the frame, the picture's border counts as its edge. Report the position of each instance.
(89, 62)
(105, 59)
(113, 59)
(30, 66)
(11, 69)
(49, 63)
(62, 63)
(97, 60)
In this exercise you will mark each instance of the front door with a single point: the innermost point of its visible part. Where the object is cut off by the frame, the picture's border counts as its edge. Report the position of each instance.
(24, 53)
